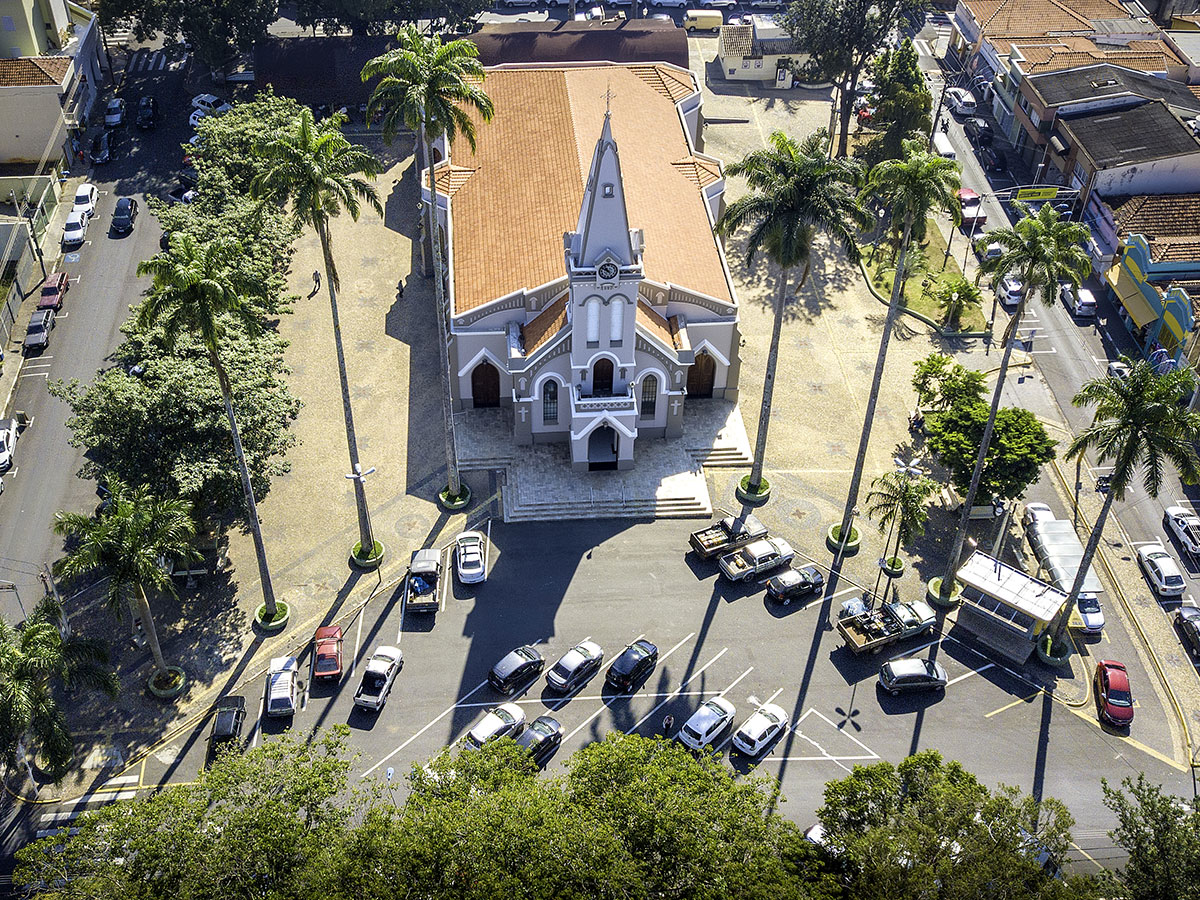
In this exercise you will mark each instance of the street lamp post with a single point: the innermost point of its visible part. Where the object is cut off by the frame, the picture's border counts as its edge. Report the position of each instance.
(9, 586)
(359, 477)
(1195, 766)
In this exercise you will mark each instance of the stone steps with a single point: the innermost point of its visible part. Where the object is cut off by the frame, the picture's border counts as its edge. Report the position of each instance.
(667, 508)
(719, 457)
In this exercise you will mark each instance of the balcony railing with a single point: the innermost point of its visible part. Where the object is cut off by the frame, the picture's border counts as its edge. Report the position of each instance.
(594, 404)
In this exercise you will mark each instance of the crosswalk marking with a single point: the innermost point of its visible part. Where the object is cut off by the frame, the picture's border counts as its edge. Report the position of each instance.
(145, 60)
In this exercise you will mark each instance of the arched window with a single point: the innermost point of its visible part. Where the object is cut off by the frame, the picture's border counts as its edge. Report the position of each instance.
(616, 323)
(550, 403)
(649, 396)
(593, 322)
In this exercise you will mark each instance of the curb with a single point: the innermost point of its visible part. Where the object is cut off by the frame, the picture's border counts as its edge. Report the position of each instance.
(941, 332)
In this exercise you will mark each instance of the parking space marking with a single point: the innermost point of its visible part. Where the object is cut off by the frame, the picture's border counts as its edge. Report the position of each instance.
(676, 692)
(257, 724)
(966, 675)
(825, 754)
(735, 681)
(442, 715)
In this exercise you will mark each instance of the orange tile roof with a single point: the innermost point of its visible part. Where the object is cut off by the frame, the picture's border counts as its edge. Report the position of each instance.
(34, 71)
(450, 178)
(530, 164)
(1054, 54)
(1005, 18)
(654, 323)
(545, 325)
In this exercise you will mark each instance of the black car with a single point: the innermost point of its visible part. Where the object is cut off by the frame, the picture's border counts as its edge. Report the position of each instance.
(1187, 620)
(978, 130)
(632, 666)
(227, 723)
(124, 215)
(37, 335)
(993, 160)
(516, 668)
(147, 112)
(575, 667)
(792, 583)
(104, 145)
(541, 738)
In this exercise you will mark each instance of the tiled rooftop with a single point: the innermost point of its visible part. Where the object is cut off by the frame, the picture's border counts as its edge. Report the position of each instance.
(34, 71)
(545, 325)
(1005, 18)
(1053, 54)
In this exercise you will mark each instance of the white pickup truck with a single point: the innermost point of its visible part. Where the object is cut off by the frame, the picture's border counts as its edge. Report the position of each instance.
(756, 558)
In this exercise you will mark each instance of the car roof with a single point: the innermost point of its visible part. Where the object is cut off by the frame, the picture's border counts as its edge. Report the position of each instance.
(124, 202)
(912, 665)
(75, 216)
(284, 663)
(1118, 678)
(328, 632)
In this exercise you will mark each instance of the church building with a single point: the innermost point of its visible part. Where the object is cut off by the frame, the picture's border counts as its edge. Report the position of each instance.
(586, 287)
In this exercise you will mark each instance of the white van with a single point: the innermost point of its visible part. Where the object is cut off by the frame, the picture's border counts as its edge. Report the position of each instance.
(703, 20)
(943, 147)
(1080, 301)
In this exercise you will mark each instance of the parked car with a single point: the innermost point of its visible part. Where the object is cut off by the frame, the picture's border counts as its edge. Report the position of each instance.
(124, 215)
(960, 101)
(575, 667)
(633, 665)
(992, 160)
(1185, 525)
(516, 668)
(227, 723)
(791, 584)
(1118, 369)
(1010, 289)
(327, 652)
(764, 725)
(970, 207)
(1113, 696)
(1036, 512)
(104, 145)
(37, 334)
(114, 113)
(210, 104)
(1161, 570)
(283, 686)
(1187, 620)
(912, 674)
(978, 131)
(543, 736)
(1091, 616)
(147, 112)
(195, 117)
(54, 291)
(469, 557)
(75, 229)
(8, 443)
(1078, 300)
(988, 249)
(707, 723)
(506, 720)
(85, 199)
(378, 678)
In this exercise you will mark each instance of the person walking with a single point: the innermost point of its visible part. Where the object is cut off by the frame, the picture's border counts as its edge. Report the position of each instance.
(316, 281)
(668, 724)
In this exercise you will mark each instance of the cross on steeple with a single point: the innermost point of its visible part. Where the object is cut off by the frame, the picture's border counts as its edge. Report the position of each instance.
(608, 95)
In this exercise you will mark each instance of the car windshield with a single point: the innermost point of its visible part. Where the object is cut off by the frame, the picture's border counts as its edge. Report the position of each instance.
(281, 702)
(771, 718)
(73, 226)
(504, 715)
(692, 733)
(50, 290)
(327, 664)
(1120, 698)
(83, 197)
(1089, 605)
(1174, 580)
(562, 671)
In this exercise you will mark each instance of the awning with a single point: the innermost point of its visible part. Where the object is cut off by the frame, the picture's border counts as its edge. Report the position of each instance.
(1058, 146)
(1131, 296)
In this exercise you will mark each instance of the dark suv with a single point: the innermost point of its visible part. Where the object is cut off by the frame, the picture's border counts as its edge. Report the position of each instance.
(37, 335)
(632, 666)
(979, 131)
(227, 723)
(516, 668)
(147, 112)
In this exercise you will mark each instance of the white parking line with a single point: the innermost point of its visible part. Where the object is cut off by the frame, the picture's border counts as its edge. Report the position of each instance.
(257, 724)
(442, 715)
(676, 692)
(358, 644)
(982, 668)
(608, 703)
(735, 681)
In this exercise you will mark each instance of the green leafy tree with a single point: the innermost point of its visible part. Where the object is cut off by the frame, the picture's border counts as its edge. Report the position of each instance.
(903, 104)
(955, 297)
(1019, 448)
(36, 659)
(218, 29)
(912, 188)
(840, 39)
(128, 543)
(1042, 250)
(432, 89)
(315, 170)
(1138, 426)
(1161, 835)
(940, 382)
(795, 194)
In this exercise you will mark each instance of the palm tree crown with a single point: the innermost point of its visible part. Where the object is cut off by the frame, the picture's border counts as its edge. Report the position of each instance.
(899, 500)
(914, 186)
(1043, 249)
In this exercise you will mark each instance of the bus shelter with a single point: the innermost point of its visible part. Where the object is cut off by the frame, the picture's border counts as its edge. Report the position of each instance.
(1004, 608)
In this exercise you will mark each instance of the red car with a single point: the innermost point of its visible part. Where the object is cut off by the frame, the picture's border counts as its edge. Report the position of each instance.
(328, 640)
(1112, 693)
(54, 290)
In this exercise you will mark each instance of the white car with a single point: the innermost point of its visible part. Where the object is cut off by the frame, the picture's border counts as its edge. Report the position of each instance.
(1036, 512)
(506, 720)
(195, 117)
(1185, 524)
(85, 199)
(378, 678)
(283, 686)
(991, 250)
(960, 101)
(114, 113)
(8, 443)
(716, 4)
(1010, 290)
(1118, 369)
(75, 230)
(678, 4)
(1091, 616)
(707, 723)
(210, 104)
(757, 732)
(469, 557)
(1161, 570)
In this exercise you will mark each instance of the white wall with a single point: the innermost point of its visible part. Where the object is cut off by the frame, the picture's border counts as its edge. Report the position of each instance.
(29, 119)
(1177, 175)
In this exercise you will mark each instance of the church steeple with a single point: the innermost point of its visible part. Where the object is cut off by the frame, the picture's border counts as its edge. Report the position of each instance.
(603, 232)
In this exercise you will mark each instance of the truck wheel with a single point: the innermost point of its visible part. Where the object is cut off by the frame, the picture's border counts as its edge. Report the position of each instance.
(894, 693)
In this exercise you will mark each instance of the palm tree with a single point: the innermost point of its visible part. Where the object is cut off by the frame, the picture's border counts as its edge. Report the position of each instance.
(35, 658)
(899, 501)
(195, 291)
(912, 188)
(130, 541)
(319, 172)
(1043, 250)
(795, 192)
(955, 297)
(431, 89)
(1139, 424)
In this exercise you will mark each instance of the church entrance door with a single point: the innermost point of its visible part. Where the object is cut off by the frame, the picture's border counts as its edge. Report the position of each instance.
(701, 375)
(485, 385)
(602, 378)
(602, 449)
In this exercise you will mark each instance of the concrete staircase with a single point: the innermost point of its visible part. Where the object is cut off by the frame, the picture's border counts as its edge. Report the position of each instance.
(676, 502)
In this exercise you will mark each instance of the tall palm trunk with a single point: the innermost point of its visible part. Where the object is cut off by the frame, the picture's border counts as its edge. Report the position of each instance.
(946, 590)
(366, 537)
(764, 412)
(143, 607)
(860, 458)
(1084, 564)
(454, 486)
(260, 550)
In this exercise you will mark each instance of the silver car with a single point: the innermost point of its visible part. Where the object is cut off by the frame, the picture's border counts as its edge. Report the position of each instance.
(506, 720)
